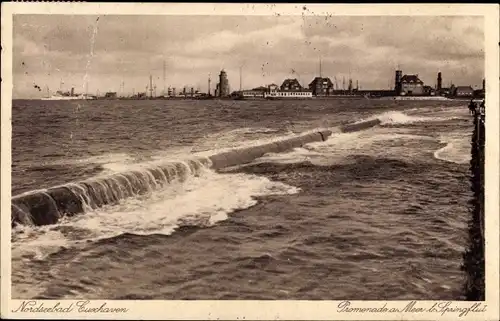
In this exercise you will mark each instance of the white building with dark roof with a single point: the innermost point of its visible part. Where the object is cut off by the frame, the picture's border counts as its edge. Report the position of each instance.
(290, 88)
(411, 85)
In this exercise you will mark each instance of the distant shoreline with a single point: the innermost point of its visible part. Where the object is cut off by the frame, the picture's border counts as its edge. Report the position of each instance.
(335, 97)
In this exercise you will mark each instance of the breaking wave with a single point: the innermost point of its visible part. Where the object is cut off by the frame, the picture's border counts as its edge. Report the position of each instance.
(197, 201)
(457, 149)
(400, 118)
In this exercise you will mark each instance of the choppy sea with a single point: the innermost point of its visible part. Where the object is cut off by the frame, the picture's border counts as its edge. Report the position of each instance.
(375, 214)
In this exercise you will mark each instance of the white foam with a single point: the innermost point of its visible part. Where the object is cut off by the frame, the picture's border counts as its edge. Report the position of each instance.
(200, 201)
(457, 149)
(400, 118)
(36, 242)
(338, 147)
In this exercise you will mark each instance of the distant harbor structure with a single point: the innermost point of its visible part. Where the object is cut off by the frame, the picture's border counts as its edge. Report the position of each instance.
(289, 89)
(222, 89)
(401, 87)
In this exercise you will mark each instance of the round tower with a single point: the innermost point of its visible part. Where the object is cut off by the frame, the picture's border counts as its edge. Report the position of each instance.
(397, 81)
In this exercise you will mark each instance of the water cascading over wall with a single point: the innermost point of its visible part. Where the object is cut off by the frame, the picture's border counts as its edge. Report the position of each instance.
(48, 206)
(474, 263)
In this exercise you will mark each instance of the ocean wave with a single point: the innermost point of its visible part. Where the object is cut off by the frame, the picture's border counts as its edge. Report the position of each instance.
(200, 201)
(340, 146)
(457, 149)
(400, 118)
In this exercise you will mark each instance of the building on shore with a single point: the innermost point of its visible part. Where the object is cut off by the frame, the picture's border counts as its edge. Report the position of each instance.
(290, 88)
(254, 93)
(321, 86)
(110, 95)
(462, 92)
(290, 85)
(409, 85)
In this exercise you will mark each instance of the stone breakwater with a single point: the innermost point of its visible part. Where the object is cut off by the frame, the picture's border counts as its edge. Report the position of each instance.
(474, 264)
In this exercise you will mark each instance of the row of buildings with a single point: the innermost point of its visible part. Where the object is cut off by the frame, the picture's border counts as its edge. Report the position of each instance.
(411, 85)
(405, 85)
(291, 88)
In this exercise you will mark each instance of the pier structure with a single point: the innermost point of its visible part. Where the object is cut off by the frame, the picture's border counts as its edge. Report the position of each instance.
(474, 257)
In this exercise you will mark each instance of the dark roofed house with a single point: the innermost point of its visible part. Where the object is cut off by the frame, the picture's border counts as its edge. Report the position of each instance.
(110, 95)
(291, 85)
(463, 91)
(321, 86)
(412, 85)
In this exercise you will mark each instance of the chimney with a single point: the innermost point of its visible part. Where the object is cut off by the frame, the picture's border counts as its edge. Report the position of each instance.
(72, 91)
(439, 81)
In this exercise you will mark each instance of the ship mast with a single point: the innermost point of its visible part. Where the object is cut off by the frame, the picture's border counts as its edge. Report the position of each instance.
(209, 84)
(320, 74)
(240, 77)
(164, 76)
(150, 86)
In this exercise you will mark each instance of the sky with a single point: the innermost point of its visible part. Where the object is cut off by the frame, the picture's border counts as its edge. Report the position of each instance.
(64, 51)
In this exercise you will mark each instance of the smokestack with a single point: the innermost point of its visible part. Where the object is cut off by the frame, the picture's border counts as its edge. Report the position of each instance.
(439, 81)
(484, 84)
(72, 91)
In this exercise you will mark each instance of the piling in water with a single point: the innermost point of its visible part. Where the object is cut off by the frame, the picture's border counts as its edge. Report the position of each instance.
(474, 265)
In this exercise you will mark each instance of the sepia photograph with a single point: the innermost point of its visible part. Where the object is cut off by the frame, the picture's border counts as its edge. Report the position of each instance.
(307, 156)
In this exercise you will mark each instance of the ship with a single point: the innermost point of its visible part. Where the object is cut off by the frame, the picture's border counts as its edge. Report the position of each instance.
(60, 95)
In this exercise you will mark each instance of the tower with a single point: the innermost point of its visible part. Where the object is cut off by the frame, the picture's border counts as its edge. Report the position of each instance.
(439, 82)
(223, 84)
(397, 81)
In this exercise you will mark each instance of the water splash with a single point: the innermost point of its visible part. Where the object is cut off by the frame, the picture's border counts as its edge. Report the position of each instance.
(400, 118)
(456, 149)
(200, 201)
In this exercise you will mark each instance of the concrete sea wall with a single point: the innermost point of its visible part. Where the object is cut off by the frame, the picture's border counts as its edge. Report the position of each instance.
(48, 206)
(474, 262)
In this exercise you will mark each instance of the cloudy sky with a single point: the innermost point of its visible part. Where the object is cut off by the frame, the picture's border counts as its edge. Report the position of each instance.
(128, 49)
